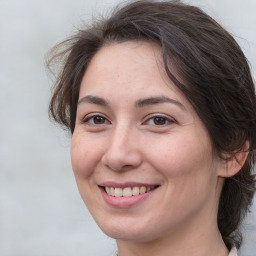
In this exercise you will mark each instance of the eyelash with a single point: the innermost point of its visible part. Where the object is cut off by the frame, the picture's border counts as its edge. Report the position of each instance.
(87, 119)
(165, 119)
(161, 118)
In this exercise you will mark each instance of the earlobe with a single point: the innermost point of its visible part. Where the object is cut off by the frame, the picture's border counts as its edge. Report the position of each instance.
(234, 162)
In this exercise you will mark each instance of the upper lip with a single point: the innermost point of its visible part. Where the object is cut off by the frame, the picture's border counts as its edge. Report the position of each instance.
(125, 184)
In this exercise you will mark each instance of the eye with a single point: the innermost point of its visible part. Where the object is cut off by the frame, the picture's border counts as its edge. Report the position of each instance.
(159, 121)
(95, 120)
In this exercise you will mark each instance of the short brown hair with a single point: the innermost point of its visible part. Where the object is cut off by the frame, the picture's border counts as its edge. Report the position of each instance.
(216, 79)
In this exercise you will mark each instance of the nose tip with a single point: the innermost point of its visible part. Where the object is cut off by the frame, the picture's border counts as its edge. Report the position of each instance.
(122, 157)
(121, 163)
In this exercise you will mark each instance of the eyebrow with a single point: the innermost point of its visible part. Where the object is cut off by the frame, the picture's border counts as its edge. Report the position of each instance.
(94, 100)
(139, 103)
(158, 100)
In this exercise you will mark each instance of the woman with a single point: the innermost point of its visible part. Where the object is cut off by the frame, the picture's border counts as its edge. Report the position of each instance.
(162, 109)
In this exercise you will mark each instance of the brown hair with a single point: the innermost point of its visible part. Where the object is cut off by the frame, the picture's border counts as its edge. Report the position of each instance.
(216, 80)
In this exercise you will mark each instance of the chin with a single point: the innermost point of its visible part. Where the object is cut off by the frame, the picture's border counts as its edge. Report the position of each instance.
(129, 232)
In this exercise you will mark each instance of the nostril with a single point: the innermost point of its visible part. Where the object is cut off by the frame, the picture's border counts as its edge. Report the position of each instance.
(122, 168)
(121, 158)
(126, 167)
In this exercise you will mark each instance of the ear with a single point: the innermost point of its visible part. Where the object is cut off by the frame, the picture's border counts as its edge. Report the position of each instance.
(234, 162)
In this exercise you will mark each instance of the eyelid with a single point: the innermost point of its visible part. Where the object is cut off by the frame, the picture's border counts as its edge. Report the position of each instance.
(88, 117)
(169, 119)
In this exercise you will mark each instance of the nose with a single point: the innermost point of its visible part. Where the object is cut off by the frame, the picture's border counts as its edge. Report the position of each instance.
(122, 151)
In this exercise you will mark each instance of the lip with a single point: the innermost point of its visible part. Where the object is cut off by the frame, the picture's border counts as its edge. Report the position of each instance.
(125, 184)
(124, 202)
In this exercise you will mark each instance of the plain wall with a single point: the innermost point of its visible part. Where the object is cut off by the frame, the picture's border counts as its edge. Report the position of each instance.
(41, 212)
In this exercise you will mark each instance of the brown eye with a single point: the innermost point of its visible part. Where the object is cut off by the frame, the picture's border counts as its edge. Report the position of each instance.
(159, 120)
(95, 120)
(98, 120)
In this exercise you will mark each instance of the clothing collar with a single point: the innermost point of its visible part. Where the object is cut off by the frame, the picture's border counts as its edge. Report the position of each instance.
(233, 252)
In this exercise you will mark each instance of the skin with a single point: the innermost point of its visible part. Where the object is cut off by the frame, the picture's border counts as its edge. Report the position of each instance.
(127, 143)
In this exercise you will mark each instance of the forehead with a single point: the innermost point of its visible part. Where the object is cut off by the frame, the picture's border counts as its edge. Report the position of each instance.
(127, 57)
(128, 64)
(125, 73)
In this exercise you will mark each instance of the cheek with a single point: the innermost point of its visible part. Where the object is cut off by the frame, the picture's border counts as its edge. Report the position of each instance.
(189, 174)
(180, 155)
(84, 156)
(185, 161)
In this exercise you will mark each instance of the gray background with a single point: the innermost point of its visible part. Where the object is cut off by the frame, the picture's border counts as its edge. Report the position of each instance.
(41, 213)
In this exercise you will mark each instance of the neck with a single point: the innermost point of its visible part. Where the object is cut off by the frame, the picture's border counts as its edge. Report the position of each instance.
(194, 240)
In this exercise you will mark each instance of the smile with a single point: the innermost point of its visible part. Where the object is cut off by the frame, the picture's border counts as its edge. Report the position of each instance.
(128, 191)
(126, 195)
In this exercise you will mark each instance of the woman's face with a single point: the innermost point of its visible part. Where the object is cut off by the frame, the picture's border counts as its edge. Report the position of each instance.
(142, 158)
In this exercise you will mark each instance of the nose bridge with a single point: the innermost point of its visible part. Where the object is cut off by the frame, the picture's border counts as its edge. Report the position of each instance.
(122, 151)
(120, 134)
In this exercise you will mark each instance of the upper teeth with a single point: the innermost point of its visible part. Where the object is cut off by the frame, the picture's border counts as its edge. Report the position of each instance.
(128, 191)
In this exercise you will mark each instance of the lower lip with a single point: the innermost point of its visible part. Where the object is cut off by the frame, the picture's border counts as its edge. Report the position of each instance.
(125, 202)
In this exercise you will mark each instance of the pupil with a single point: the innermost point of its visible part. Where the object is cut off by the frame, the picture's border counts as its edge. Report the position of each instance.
(159, 120)
(98, 120)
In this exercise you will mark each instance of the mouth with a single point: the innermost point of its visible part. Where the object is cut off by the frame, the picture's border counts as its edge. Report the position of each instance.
(126, 195)
(128, 191)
